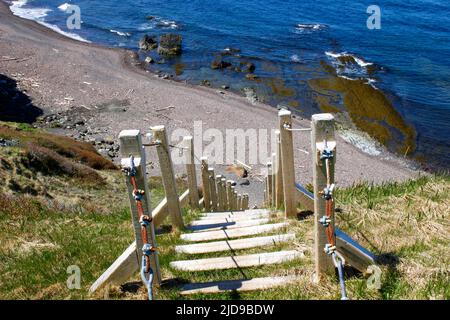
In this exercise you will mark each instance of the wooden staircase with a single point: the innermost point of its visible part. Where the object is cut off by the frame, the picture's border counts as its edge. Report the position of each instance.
(235, 230)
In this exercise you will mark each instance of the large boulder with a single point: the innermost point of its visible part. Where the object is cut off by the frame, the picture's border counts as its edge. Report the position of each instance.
(148, 43)
(169, 44)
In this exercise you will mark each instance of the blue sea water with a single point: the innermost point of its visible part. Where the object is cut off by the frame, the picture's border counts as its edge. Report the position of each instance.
(288, 40)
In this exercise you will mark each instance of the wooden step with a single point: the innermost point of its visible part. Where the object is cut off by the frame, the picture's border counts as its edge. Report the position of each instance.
(237, 213)
(208, 226)
(225, 220)
(232, 233)
(237, 285)
(218, 246)
(243, 261)
(235, 218)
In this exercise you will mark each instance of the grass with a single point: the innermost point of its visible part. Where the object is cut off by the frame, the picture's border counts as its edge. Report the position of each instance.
(39, 246)
(88, 225)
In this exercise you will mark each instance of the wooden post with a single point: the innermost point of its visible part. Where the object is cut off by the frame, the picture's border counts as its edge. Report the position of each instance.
(269, 184)
(322, 137)
(188, 143)
(205, 184)
(212, 189)
(279, 173)
(168, 177)
(287, 156)
(229, 195)
(239, 202)
(220, 200)
(245, 202)
(223, 183)
(274, 179)
(235, 199)
(131, 145)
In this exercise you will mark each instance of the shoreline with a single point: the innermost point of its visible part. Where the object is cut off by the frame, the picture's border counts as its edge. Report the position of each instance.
(73, 75)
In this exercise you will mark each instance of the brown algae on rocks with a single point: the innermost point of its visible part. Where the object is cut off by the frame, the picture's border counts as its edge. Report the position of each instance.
(368, 108)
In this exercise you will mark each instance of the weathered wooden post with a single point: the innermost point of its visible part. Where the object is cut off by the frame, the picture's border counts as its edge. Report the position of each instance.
(323, 146)
(220, 193)
(230, 195)
(279, 173)
(245, 202)
(131, 145)
(212, 189)
(223, 183)
(269, 184)
(235, 199)
(205, 184)
(168, 177)
(188, 143)
(287, 156)
(239, 202)
(274, 179)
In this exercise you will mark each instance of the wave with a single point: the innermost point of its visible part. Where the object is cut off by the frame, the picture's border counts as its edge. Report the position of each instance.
(350, 66)
(309, 27)
(295, 58)
(38, 14)
(160, 23)
(64, 6)
(120, 33)
(17, 8)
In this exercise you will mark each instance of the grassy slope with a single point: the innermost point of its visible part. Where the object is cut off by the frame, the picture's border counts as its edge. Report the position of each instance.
(407, 224)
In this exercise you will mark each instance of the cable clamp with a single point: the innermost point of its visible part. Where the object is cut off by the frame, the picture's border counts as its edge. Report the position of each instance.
(325, 221)
(329, 249)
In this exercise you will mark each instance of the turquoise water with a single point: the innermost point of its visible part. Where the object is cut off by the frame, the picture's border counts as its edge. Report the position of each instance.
(290, 42)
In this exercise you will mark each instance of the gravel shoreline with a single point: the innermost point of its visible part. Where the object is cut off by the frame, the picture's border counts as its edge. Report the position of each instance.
(102, 91)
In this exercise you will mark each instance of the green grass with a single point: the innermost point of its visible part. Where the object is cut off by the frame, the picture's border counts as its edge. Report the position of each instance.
(69, 222)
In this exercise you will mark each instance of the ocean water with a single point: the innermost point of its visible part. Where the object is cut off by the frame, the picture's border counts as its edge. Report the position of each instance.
(292, 43)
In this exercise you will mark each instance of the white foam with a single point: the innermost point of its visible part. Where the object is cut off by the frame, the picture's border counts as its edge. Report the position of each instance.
(295, 58)
(38, 15)
(17, 8)
(145, 26)
(57, 29)
(362, 141)
(359, 61)
(64, 7)
(120, 33)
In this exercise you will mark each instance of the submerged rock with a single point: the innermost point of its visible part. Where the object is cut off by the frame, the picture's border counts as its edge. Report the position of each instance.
(220, 64)
(248, 66)
(169, 44)
(251, 76)
(149, 60)
(147, 43)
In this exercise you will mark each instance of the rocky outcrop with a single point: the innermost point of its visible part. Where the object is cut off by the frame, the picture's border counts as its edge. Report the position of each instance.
(148, 43)
(169, 44)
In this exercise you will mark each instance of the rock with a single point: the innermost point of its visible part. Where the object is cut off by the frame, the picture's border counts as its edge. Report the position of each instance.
(248, 66)
(169, 44)
(220, 64)
(109, 141)
(147, 43)
(250, 94)
(206, 83)
(225, 87)
(111, 154)
(150, 17)
(149, 60)
(161, 61)
(251, 76)
(244, 182)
